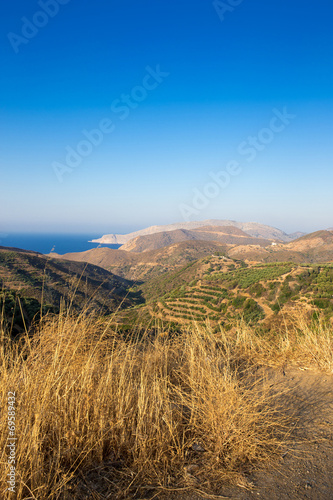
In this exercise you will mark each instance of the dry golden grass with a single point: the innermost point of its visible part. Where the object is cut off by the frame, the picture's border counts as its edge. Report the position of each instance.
(167, 412)
(299, 341)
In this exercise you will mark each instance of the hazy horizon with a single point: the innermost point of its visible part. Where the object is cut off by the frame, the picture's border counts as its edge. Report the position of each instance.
(90, 232)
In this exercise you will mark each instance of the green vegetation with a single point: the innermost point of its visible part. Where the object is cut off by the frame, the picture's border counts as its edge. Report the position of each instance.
(246, 277)
(252, 312)
(254, 293)
(19, 311)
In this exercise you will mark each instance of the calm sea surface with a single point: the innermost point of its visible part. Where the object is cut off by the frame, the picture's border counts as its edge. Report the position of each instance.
(45, 243)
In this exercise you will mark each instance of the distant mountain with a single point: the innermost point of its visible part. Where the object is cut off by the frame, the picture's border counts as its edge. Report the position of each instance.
(36, 279)
(228, 235)
(251, 228)
(298, 234)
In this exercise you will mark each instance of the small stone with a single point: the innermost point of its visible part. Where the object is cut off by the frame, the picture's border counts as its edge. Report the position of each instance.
(197, 447)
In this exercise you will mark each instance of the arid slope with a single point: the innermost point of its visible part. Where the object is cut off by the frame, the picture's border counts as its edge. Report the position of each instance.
(227, 235)
(145, 265)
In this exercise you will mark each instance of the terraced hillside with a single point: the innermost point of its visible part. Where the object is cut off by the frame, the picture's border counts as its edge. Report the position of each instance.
(222, 290)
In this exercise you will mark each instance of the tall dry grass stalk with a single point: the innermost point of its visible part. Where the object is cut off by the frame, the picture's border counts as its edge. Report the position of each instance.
(299, 341)
(174, 412)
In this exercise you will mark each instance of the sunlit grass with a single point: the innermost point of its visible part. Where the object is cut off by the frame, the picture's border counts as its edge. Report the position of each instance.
(180, 411)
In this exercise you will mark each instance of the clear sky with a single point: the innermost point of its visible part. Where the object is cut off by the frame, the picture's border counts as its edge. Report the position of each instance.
(119, 114)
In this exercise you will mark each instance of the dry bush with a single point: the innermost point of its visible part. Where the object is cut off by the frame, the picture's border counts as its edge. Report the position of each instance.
(168, 412)
(301, 341)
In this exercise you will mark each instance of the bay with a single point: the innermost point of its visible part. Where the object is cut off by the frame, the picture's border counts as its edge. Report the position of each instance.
(46, 243)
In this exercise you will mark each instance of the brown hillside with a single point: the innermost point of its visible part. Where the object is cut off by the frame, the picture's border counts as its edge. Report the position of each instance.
(312, 241)
(145, 265)
(235, 231)
(158, 240)
(225, 235)
(314, 247)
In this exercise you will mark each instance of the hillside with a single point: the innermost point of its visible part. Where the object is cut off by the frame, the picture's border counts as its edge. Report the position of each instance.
(145, 265)
(224, 290)
(228, 235)
(318, 241)
(32, 278)
(314, 247)
(251, 228)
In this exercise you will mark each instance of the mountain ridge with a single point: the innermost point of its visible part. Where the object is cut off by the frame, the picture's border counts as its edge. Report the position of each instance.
(252, 228)
(228, 235)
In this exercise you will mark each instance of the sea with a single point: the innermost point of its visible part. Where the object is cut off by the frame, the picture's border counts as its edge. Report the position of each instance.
(47, 243)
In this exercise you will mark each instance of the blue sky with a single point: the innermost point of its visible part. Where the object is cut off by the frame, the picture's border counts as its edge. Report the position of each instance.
(195, 82)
